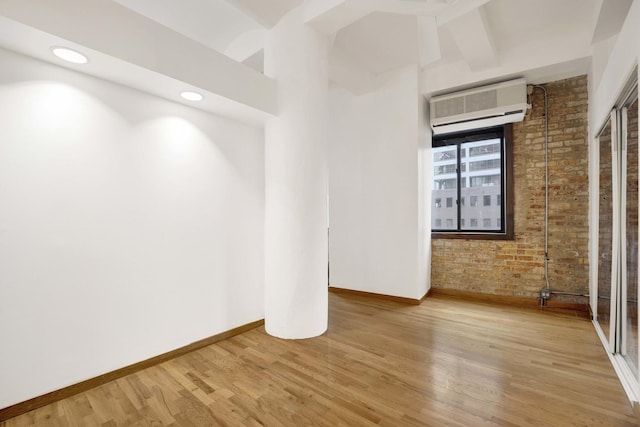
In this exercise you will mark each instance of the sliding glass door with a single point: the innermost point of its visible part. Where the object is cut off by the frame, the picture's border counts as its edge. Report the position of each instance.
(616, 313)
(606, 272)
(629, 285)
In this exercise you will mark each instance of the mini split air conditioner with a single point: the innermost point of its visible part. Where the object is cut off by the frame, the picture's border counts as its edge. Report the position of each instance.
(480, 107)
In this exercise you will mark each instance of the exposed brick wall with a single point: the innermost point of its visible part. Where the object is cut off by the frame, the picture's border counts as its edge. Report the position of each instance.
(516, 268)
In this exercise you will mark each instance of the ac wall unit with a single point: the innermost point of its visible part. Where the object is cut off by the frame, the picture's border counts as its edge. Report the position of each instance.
(480, 107)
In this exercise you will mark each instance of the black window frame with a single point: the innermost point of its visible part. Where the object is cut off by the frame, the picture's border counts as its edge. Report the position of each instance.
(505, 133)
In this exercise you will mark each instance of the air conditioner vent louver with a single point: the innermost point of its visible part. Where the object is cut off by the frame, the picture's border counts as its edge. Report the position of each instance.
(449, 107)
(480, 107)
(481, 101)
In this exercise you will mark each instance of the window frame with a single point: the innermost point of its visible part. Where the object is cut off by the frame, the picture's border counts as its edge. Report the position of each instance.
(506, 195)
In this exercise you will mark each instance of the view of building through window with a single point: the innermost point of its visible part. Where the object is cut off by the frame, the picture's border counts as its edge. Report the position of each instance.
(480, 181)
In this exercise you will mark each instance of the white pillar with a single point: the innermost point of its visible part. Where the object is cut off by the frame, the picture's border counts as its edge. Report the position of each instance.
(296, 243)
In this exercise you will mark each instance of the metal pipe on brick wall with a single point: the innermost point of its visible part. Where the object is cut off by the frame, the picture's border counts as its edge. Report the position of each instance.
(577, 294)
(546, 292)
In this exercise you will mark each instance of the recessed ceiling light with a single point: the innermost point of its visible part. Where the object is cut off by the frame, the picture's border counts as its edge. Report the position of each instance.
(191, 96)
(69, 55)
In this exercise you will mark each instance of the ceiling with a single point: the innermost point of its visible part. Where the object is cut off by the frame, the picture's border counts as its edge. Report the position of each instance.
(386, 37)
(214, 23)
(380, 51)
(456, 43)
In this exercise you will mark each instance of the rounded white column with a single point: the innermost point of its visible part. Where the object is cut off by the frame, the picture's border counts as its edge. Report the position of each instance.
(296, 243)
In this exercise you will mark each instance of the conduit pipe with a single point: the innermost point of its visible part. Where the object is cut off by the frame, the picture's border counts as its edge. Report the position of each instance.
(545, 293)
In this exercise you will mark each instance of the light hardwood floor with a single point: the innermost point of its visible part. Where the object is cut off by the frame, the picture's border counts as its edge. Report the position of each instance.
(446, 362)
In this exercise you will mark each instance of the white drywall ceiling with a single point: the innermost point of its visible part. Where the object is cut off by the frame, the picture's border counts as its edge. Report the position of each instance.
(524, 35)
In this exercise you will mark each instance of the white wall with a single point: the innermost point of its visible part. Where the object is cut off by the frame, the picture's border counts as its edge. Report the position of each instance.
(373, 188)
(425, 170)
(600, 59)
(129, 226)
(612, 66)
(620, 60)
(139, 43)
(620, 63)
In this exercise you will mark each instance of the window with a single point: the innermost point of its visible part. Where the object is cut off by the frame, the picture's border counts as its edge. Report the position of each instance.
(445, 169)
(483, 165)
(473, 167)
(486, 180)
(445, 184)
(485, 149)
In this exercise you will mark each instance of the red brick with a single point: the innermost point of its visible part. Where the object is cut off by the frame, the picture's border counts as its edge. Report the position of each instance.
(516, 268)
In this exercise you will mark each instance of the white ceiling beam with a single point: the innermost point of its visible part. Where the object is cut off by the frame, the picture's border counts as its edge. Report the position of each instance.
(330, 16)
(265, 12)
(256, 61)
(246, 45)
(473, 37)
(107, 27)
(458, 9)
(428, 40)
(401, 7)
(610, 18)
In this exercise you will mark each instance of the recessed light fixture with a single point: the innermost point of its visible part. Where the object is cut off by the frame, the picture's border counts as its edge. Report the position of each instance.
(191, 96)
(69, 55)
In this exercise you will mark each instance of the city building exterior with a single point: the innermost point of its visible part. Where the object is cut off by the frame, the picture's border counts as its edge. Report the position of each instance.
(480, 197)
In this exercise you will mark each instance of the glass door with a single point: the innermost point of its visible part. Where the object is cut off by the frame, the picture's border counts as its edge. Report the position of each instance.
(606, 271)
(629, 247)
(616, 313)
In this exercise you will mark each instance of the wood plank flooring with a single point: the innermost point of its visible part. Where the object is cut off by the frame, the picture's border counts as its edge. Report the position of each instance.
(445, 362)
